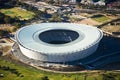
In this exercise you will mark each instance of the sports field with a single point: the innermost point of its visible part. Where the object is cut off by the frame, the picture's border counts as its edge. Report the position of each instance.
(19, 13)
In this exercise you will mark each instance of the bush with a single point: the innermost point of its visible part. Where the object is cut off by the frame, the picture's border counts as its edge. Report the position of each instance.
(44, 78)
(108, 77)
(3, 33)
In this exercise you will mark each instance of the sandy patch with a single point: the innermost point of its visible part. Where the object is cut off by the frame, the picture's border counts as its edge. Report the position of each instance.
(88, 21)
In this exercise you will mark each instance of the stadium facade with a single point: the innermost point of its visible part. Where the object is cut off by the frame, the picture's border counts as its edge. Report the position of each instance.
(58, 42)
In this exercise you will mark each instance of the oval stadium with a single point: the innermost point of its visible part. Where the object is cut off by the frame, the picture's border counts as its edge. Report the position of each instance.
(58, 42)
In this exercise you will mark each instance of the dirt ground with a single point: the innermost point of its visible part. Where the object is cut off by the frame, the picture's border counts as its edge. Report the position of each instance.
(88, 21)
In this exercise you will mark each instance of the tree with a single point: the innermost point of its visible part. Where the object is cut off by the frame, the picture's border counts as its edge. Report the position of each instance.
(3, 33)
(62, 2)
(85, 76)
(36, 0)
(108, 77)
(2, 17)
(45, 78)
(55, 18)
(16, 24)
(50, 1)
(45, 11)
(7, 19)
(13, 29)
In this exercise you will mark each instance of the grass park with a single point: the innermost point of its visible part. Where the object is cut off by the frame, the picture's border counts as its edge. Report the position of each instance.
(17, 71)
(100, 18)
(17, 12)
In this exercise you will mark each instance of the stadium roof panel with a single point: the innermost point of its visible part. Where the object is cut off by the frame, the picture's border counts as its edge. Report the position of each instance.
(28, 37)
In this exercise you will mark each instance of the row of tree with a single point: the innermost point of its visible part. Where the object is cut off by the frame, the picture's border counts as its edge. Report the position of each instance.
(14, 71)
(8, 20)
(109, 76)
(5, 18)
(3, 33)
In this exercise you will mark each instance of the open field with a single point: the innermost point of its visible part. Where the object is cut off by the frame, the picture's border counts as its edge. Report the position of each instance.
(111, 28)
(89, 21)
(100, 18)
(19, 13)
(19, 71)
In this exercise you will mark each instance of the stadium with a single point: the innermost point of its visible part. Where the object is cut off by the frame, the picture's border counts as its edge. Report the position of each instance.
(58, 42)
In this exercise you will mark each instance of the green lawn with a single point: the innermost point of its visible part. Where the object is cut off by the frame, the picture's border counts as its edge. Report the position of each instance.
(101, 18)
(18, 12)
(30, 73)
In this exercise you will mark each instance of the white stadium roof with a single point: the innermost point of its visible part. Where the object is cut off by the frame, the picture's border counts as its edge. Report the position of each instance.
(28, 37)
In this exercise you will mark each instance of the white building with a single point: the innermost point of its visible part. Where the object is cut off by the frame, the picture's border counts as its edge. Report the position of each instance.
(58, 42)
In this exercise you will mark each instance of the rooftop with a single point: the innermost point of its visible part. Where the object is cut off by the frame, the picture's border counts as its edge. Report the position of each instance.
(29, 37)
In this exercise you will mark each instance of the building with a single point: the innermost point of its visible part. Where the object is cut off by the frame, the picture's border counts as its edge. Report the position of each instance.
(58, 42)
